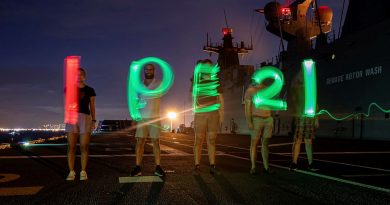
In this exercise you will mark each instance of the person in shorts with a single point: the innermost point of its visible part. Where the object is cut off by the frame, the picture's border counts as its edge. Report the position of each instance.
(207, 123)
(304, 126)
(260, 124)
(150, 125)
(83, 128)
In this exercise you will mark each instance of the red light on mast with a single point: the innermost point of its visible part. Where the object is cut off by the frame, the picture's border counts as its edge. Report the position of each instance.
(285, 14)
(227, 31)
(286, 11)
(72, 65)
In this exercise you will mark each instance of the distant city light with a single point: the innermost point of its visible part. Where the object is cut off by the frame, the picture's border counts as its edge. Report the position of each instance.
(13, 130)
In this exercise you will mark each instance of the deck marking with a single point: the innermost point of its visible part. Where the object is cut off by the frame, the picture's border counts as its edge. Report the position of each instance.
(16, 191)
(345, 181)
(365, 175)
(20, 191)
(140, 179)
(317, 175)
(335, 153)
(100, 156)
(118, 149)
(289, 154)
(279, 144)
(270, 145)
(170, 150)
(346, 164)
(66, 144)
(8, 177)
(323, 176)
(216, 152)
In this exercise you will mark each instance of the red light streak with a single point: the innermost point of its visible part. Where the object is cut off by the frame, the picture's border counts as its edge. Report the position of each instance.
(72, 65)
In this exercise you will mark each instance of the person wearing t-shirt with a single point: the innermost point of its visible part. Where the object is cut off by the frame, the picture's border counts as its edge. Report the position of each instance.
(260, 124)
(150, 125)
(83, 128)
(207, 123)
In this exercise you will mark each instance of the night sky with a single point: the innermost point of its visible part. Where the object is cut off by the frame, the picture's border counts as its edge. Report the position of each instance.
(37, 35)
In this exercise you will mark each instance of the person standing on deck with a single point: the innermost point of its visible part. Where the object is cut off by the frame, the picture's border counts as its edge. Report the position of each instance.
(209, 113)
(150, 125)
(83, 128)
(260, 124)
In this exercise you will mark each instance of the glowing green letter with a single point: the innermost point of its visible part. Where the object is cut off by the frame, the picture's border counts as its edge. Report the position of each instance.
(205, 87)
(263, 97)
(309, 75)
(135, 85)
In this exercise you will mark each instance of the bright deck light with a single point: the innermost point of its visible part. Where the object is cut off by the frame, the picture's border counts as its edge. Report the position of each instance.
(172, 115)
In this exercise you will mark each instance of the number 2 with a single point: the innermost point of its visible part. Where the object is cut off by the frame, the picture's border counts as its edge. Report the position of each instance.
(264, 97)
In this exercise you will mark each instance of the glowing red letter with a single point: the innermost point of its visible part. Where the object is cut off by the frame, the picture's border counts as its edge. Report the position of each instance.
(72, 65)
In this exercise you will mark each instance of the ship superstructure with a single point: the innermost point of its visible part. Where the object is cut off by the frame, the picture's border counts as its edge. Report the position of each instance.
(233, 78)
(352, 67)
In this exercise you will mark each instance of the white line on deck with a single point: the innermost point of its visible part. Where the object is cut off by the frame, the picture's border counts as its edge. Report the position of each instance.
(140, 179)
(345, 181)
(317, 175)
(365, 175)
(217, 152)
(99, 156)
(346, 164)
(334, 153)
(170, 150)
(66, 144)
(270, 145)
(328, 161)
(323, 176)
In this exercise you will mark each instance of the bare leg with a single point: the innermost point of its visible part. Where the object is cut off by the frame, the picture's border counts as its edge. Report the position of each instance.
(211, 142)
(139, 150)
(156, 151)
(309, 150)
(198, 147)
(296, 150)
(84, 148)
(265, 151)
(72, 143)
(253, 151)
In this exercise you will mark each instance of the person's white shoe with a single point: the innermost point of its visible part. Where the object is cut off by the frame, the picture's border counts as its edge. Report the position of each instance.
(83, 176)
(71, 176)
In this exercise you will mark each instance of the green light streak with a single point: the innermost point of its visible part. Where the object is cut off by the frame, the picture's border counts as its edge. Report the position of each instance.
(200, 88)
(263, 98)
(321, 112)
(135, 86)
(309, 74)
